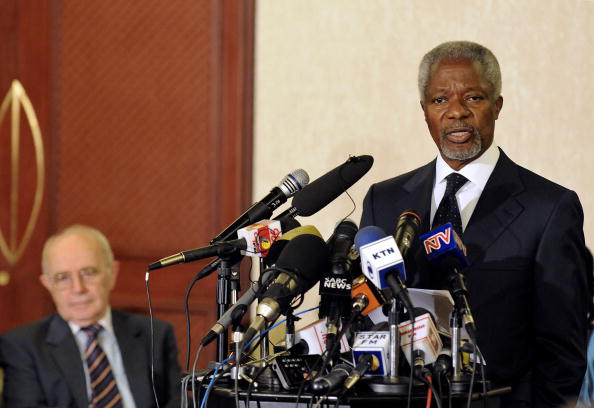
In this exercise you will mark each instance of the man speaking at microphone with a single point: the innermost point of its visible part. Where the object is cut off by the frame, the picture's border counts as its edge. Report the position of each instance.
(528, 269)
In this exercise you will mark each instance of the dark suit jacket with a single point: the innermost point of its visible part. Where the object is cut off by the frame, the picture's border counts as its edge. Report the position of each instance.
(527, 277)
(43, 367)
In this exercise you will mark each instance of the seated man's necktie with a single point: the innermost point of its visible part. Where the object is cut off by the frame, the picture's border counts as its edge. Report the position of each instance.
(105, 393)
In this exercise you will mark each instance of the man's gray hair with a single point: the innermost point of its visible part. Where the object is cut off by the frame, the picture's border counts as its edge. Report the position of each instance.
(461, 49)
(78, 229)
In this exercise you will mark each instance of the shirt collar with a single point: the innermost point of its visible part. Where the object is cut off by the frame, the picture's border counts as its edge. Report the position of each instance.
(105, 322)
(477, 171)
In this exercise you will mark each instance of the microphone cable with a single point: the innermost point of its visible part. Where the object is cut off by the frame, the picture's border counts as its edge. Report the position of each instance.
(203, 272)
(412, 353)
(324, 357)
(431, 391)
(261, 370)
(222, 363)
(152, 330)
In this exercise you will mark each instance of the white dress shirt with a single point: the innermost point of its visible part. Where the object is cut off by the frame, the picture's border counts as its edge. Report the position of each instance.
(108, 342)
(477, 172)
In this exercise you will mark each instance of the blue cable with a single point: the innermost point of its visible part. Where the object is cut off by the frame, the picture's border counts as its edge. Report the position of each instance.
(219, 365)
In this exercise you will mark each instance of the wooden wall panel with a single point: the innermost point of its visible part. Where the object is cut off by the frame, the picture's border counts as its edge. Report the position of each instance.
(25, 44)
(150, 138)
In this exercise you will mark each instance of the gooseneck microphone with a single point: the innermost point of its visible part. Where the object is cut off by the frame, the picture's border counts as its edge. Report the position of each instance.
(255, 239)
(299, 264)
(191, 255)
(292, 183)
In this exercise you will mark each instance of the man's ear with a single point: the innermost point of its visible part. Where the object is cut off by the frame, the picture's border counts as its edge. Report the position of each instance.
(424, 111)
(115, 268)
(498, 106)
(44, 279)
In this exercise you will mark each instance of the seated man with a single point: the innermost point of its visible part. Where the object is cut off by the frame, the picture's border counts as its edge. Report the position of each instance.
(87, 354)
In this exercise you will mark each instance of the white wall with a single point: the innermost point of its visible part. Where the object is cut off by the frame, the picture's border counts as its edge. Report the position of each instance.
(338, 77)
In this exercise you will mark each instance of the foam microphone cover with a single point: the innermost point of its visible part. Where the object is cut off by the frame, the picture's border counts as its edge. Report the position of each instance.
(279, 245)
(322, 191)
(307, 256)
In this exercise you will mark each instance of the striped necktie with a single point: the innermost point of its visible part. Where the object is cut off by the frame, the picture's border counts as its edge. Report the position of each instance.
(448, 210)
(104, 390)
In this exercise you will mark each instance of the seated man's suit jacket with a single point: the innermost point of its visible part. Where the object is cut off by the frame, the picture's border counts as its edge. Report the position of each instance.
(528, 276)
(43, 366)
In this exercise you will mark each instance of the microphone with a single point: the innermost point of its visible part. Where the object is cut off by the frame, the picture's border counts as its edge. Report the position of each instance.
(252, 293)
(341, 243)
(299, 263)
(376, 343)
(325, 189)
(289, 185)
(277, 247)
(241, 305)
(330, 382)
(443, 364)
(367, 362)
(447, 253)
(254, 239)
(426, 343)
(366, 297)
(407, 229)
(381, 262)
(335, 285)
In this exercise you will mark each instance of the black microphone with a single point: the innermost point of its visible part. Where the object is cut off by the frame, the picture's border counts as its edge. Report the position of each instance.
(328, 383)
(240, 307)
(325, 189)
(254, 291)
(191, 255)
(366, 362)
(299, 263)
(443, 364)
(407, 229)
(292, 183)
(336, 283)
(279, 245)
(447, 253)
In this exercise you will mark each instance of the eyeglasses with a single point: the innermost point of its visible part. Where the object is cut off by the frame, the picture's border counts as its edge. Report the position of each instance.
(65, 280)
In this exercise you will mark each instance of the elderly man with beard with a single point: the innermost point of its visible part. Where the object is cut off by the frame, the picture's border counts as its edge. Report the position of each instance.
(528, 273)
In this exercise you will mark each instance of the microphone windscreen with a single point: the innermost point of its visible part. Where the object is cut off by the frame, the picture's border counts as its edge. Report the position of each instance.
(279, 245)
(322, 191)
(307, 256)
(367, 235)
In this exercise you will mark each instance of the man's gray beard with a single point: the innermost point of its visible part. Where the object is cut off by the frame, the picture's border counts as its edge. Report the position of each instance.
(473, 150)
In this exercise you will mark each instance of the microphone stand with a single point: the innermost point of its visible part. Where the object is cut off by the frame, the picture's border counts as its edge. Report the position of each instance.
(459, 384)
(227, 290)
(394, 383)
(461, 381)
(266, 376)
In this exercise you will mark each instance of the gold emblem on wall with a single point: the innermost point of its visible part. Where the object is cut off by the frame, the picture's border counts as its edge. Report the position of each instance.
(12, 245)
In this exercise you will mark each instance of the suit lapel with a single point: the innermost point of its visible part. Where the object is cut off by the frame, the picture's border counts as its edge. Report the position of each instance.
(132, 349)
(420, 187)
(496, 209)
(65, 352)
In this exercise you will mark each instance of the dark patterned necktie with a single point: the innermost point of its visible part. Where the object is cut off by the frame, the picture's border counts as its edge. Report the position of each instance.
(448, 210)
(105, 393)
